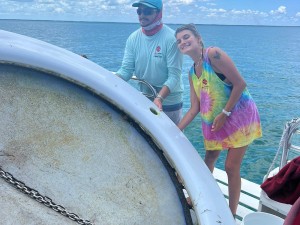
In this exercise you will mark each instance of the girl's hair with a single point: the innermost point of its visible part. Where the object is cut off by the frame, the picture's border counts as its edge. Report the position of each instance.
(191, 27)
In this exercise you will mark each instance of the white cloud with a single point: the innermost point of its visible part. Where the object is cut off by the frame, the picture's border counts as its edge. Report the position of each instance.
(187, 2)
(22, 0)
(59, 10)
(175, 11)
(280, 10)
(121, 2)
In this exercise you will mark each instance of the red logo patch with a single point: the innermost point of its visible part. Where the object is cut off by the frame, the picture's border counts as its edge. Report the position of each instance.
(158, 49)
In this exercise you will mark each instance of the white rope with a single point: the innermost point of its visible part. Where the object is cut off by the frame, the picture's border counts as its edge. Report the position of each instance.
(290, 128)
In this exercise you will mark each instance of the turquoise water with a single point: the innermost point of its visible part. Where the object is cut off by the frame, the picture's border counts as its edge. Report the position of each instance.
(267, 57)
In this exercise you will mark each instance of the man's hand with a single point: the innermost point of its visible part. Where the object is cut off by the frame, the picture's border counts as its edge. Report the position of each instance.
(158, 102)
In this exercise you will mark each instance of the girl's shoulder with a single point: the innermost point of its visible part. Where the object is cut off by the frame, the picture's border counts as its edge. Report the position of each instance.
(212, 51)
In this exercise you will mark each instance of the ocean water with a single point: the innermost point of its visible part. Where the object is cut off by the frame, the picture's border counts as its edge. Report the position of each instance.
(267, 57)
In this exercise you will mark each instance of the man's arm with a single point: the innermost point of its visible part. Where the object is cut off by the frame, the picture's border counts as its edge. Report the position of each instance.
(174, 64)
(128, 62)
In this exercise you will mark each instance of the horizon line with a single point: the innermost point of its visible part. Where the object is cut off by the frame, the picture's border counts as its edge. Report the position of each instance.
(205, 24)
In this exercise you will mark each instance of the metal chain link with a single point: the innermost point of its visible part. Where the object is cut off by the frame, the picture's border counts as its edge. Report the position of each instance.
(40, 198)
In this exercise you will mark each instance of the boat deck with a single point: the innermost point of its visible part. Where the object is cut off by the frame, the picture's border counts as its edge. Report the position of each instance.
(249, 198)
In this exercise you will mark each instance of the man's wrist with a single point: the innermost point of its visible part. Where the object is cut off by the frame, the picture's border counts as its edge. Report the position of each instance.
(159, 97)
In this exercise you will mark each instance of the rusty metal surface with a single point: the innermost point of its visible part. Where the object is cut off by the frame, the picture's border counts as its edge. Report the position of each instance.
(69, 145)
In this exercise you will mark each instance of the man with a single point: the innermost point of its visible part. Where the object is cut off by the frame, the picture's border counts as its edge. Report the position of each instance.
(151, 54)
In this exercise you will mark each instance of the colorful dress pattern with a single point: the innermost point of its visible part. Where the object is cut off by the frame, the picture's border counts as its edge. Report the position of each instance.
(241, 127)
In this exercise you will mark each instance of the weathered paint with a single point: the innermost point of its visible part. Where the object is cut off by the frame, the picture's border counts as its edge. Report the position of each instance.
(69, 145)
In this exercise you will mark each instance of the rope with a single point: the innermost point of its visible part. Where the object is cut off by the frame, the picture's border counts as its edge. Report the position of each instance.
(290, 128)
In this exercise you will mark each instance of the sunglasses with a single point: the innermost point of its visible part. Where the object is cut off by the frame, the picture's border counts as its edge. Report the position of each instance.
(146, 11)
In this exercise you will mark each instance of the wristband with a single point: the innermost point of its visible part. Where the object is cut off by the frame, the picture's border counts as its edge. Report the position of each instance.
(160, 97)
(225, 112)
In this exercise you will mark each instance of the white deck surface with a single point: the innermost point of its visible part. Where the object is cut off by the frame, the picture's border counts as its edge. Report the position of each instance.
(250, 197)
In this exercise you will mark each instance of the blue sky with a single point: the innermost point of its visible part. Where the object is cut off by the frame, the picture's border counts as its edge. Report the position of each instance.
(231, 12)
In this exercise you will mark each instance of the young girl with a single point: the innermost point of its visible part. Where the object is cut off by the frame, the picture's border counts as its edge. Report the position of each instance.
(230, 119)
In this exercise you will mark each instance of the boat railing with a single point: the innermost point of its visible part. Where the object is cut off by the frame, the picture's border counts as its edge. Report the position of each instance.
(286, 148)
(291, 129)
(295, 147)
(153, 92)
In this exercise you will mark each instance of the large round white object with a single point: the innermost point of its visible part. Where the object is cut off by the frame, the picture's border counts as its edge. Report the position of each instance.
(261, 218)
(80, 135)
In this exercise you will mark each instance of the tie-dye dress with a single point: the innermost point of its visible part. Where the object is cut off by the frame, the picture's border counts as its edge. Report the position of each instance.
(241, 127)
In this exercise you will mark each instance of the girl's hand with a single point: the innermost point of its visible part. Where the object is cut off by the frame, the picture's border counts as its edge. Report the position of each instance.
(218, 122)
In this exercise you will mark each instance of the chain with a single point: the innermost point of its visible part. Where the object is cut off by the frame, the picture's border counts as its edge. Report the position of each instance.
(40, 198)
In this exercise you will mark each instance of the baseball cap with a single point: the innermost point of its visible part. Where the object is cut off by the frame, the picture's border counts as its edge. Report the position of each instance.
(155, 4)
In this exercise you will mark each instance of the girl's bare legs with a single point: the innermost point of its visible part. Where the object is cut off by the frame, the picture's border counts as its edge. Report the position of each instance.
(232, 167)
(211, 157)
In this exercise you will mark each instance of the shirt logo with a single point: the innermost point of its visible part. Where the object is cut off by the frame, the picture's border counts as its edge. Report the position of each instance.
(204, 84)
(158, 53)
